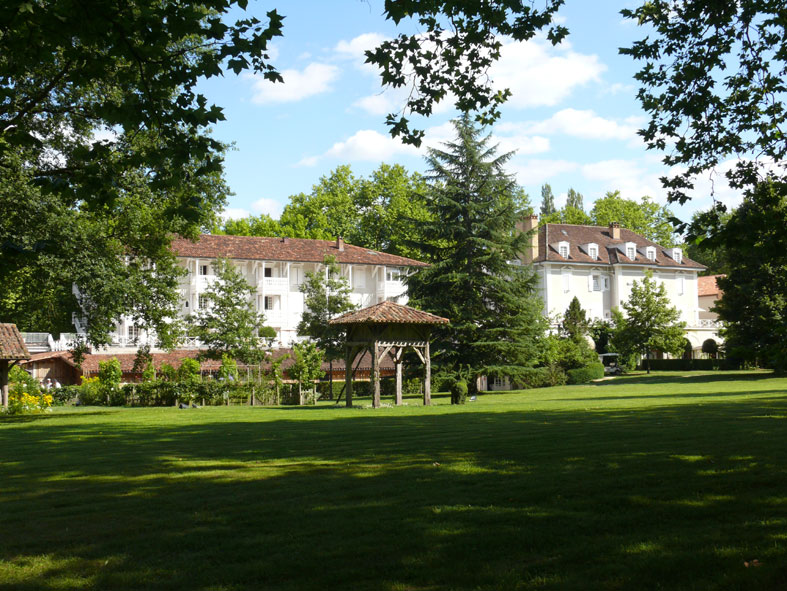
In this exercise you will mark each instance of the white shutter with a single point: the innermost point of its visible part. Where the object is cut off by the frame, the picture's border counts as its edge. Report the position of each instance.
(590, 282)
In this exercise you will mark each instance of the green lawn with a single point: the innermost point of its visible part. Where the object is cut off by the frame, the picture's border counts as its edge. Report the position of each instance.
(668, 481)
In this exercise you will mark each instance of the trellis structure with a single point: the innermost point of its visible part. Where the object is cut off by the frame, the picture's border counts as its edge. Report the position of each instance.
(12, 350)
(388, 328)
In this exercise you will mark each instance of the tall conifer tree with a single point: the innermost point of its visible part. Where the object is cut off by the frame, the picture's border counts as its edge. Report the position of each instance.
(495, 314)
(547, 200)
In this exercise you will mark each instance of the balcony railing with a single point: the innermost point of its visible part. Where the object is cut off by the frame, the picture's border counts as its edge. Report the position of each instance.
(273, 285)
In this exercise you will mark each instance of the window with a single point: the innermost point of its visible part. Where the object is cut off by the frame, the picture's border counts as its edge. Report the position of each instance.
(393, 274)
(268, 304)
(606, 283)
(268, 272)
(563, 249)
(203, 301)
(203, 269)
(498, 382)
(566, 280)
(359, 277)
(596, 283)
(677, 255)
(650, 252)
(593, 251)
(631, 252)
(296, 275)
(681, 284)
(133, 332)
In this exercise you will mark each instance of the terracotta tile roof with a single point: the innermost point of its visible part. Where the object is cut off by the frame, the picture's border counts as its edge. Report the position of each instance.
(610, 251)
(12, 346)
(284, 249)
(707, 286)
(388, 312)
(64, 355)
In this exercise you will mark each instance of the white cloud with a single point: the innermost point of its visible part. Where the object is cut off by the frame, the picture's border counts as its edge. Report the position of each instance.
(268, 206)
(314, 79)
(383, 102)
(539, 74)
(538, 171)
(364, 145)
(235, 213)
(522, 144)
(584, 124)
(355, 48)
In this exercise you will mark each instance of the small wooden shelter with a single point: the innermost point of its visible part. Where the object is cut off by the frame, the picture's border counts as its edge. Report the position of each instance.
(383, 329)
(12, 350)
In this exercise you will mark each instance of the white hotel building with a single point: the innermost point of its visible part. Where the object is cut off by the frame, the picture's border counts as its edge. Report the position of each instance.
(599, 264)
(276, 268)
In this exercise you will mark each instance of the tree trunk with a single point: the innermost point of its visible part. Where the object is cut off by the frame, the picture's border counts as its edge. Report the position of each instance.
(330, 379)
(300, 394)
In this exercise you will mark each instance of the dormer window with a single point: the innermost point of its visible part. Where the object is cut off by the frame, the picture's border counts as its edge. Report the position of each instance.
(631, 251)
(562, 248)
(593, 251)
(677, 255)
(650, 252)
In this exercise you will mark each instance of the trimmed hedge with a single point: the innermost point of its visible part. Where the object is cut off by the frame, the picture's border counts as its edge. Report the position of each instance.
(540, 377)
(584, 375)
(691, 364)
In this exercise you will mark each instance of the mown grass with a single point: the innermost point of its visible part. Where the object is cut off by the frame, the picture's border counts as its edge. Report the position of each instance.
(668, 481)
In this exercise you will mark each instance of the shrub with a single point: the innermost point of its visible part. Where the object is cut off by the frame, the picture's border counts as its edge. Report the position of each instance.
(65, 395)
(24, 403)
(19, 382)
(90, 392)
(584, 375)
(459, 392)
(109, 376)
(541, 377)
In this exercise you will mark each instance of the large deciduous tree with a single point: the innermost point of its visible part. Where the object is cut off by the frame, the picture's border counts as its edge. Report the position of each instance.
(105, 152)
(713, 84)
(754, 304)
(650, 323)
(495, 315)
(644, 217)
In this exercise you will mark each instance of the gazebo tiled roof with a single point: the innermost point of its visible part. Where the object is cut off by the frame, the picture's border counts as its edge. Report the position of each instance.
(388, 312)
(12, 346)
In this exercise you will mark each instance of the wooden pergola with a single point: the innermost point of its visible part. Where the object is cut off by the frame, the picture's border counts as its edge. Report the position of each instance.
(12, 350)
(388, 329)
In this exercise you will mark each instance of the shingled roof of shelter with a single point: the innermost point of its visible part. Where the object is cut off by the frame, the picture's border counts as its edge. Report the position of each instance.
(610, 251)
(388, 312)
(12, 345)
(285, 249)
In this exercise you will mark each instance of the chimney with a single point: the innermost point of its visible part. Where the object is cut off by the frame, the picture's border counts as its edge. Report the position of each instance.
(529, 225)
(614, 230)
(340, 244)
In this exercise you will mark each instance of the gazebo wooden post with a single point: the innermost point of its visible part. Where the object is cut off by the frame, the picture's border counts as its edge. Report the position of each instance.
(4, 382)
(398, 363)
(348, 375)
(376, 375)
(428, 377)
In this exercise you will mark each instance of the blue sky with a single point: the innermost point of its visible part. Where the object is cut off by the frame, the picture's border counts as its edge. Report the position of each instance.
(572, 119)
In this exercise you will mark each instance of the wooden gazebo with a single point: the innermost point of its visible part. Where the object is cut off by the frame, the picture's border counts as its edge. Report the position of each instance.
(383, 329)
(12, 350)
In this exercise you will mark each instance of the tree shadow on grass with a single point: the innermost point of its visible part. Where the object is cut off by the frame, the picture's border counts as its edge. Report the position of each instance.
(660, 497)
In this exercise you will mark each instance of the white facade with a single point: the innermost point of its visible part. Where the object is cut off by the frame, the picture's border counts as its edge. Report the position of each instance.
(598, 266)
(277, 284)
(276, 269)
